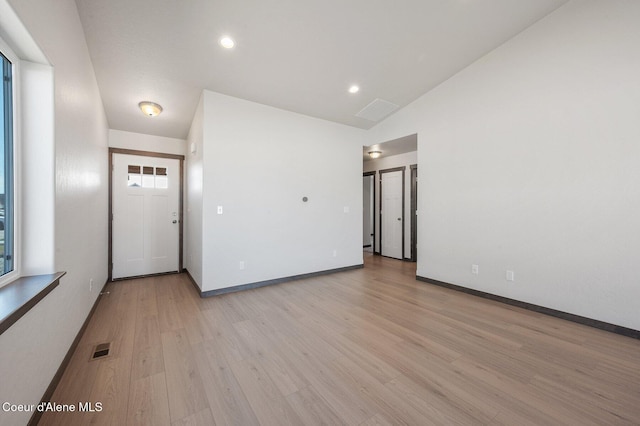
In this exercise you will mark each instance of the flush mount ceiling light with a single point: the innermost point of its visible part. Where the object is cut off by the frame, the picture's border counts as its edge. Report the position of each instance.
(354, 89)
(375, 154)
(227, 42)
(150, 108)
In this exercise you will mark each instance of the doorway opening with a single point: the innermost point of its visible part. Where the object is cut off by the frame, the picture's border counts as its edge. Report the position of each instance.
(414, 213)
(394, 168)
(368, 212)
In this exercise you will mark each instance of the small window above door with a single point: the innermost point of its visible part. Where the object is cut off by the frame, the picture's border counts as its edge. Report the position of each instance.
(147, 177)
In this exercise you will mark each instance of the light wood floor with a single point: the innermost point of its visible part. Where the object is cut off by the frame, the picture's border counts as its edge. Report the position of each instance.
(364, 347)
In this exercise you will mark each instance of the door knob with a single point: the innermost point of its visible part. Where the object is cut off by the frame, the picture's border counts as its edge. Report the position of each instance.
(399, 219)
(174, 221)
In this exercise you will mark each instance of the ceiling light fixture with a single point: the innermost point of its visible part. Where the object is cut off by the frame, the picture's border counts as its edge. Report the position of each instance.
(150, 108)
(375, 154)
(227, 42)
(354, 89)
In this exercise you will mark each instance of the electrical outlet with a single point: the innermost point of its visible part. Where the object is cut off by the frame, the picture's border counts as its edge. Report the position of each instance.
(335, 253)
(90, 285)
(219, 209)
(475, 269)
(241, 265)
(510, 276)
(346, 209)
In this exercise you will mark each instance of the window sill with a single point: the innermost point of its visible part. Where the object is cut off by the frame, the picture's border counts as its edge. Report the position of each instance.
(19, 296)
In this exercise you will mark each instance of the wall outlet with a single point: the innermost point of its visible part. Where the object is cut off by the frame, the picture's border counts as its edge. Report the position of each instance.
(90, 285)
(475, 269)
(510, 276)
(335, 253)
(219, 209)
(241, 265)
(346, 209)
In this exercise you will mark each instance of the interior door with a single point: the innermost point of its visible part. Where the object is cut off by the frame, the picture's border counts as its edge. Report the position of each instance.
(146, 217)
(391, 213)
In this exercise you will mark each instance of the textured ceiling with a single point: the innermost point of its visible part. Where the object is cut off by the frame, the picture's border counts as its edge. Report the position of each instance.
(296, 55)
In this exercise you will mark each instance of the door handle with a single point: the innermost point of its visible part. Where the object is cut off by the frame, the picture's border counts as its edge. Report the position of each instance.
(399, 219)
(174, 221)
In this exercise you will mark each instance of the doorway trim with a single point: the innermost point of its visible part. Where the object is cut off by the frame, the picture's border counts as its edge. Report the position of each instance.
(394, 169)
(365, 174)
(414, 212)
(113, 151)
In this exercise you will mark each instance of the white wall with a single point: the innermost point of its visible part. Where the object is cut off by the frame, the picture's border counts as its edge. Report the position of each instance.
(383, 163)
(142, 142)
(529, 162)
(193, 202)
(260, 161)
(33, 348)
(35, 164)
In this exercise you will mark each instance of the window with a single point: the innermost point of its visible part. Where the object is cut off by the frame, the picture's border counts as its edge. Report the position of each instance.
(6, 168)
(148, 177)
(27, 159)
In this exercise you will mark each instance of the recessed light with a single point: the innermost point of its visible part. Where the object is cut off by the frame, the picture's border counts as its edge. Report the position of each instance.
(227, 42)
(354, 89)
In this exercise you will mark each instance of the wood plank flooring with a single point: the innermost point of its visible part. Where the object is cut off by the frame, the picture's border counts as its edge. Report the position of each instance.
(364, 347)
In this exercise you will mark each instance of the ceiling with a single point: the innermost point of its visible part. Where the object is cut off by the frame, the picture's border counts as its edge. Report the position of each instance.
(300, 56)
(394, 147)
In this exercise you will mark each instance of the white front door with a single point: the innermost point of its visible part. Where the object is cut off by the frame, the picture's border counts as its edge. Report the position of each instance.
(391, 186)
(146, 201)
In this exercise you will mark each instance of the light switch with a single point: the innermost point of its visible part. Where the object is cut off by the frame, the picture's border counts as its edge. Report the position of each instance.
(219, 209)
(346, 209)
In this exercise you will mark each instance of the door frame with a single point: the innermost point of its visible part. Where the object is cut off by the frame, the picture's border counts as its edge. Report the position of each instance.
(414, 212)
(112, 152)
(373, 174)
(381, 172)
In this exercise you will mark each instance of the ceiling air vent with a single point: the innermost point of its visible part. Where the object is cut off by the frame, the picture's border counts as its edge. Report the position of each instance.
(377, 110)
(101, 350)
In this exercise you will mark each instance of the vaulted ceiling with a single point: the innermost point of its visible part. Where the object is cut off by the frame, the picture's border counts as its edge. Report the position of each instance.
(300, 56)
